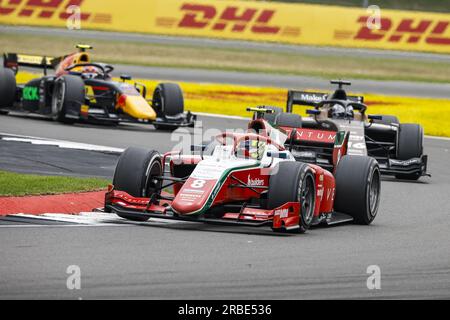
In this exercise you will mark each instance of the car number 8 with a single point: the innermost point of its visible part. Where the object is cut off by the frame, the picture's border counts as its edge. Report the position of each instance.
(198, 184)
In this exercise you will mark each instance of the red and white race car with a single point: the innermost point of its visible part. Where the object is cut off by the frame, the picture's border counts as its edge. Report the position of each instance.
(245, 179)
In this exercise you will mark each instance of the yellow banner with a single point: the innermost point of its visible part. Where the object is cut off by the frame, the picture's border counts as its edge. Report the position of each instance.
(244, 20)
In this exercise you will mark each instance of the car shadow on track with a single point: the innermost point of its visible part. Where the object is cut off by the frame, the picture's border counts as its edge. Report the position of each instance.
(207, 227)
(137, 127)
(423, 180)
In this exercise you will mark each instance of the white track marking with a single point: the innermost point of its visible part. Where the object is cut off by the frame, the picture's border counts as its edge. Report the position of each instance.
(89, 219)
(59, 143)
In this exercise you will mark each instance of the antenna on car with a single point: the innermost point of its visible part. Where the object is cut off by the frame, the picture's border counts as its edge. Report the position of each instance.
(341, 83)
(84, 47)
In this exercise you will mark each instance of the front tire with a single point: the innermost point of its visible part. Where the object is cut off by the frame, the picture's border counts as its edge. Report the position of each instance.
(136, 173)
(358, 186)
(410, 145)
(294, 182)
(68, 93)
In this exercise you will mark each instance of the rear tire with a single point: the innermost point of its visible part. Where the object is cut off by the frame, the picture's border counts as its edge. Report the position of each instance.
(134, 174)
(389, 120)
(68, 93)
(168, 100)
(8, 89)
(294, 182)
(410, 145)
(358, 186)
(291, 120)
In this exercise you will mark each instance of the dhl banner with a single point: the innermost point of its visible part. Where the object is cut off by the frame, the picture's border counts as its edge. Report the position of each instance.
(244, 20)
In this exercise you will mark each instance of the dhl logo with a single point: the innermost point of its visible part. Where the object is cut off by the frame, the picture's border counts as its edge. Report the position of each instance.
(201, 16)
(45, 9)
(409, 30)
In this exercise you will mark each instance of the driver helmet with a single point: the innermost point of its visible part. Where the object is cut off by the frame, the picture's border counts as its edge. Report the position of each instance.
(89, 71)
(338, 111)
(251, 149)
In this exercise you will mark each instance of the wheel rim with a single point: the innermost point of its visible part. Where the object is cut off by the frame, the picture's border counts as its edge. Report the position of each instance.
(374, 193)
(58, 98)
(306, 196)
(153, 185)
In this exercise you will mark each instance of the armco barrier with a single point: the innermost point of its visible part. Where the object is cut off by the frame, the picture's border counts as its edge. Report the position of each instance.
(247, 20)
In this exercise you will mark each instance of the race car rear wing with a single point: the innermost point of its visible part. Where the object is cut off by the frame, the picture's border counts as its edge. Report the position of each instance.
(14, 60)
(304, 98)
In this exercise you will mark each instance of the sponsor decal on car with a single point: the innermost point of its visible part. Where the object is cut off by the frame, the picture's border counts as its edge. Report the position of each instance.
(255, 182)
(283, 213)
(30, 93)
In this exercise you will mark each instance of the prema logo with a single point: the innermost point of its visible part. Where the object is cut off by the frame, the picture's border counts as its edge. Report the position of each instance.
(407, 30)
(235, 19)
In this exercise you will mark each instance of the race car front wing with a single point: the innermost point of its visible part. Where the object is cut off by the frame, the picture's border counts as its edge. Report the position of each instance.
(285, 217)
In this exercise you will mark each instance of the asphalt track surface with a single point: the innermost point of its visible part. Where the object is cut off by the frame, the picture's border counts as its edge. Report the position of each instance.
(409, 241)
(398, 88)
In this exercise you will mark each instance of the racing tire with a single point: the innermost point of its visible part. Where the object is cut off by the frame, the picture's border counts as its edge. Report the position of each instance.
(67, 91)
(410, 145)
(134, 174)
(8, 88)
(167, 100)
(389, 120)
(271, 117)
(291, 120)
(358, 186)
(294, 182)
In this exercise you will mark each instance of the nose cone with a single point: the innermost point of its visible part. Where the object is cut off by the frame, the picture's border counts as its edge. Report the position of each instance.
(193, 196)
(138, 107)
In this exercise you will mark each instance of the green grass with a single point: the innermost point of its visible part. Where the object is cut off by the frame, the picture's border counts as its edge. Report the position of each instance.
(418, 5)
(16, 184)
(213, 58)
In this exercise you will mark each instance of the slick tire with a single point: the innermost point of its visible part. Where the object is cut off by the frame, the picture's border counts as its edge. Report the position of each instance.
(410, 145)
(135, 174)
(68, 93)
(358, 186)
(7, 89)
(168, 100)
(291, 120)
(294, 182)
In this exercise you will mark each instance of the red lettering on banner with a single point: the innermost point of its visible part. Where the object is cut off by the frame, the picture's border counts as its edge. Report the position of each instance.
(439, 29)
(406, 27)
(199, 17)
(240, 21)
(411, 30)
(8, 6)
(202, 16)
(373, 34)
(261, 25)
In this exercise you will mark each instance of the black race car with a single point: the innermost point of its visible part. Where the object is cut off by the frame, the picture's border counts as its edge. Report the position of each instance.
(398, 147)
(79, 89)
